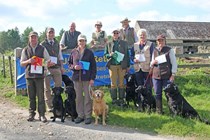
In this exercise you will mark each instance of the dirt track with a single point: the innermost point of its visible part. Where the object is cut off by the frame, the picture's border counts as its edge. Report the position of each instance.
(13, 126)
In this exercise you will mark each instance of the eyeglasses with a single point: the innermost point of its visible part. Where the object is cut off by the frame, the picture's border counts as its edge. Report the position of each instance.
(82, 40)
(116, 33)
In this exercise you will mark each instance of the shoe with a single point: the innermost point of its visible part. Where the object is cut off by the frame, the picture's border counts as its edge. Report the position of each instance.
(88, 121)
(31, 117)
(43, 119)
(78, 120)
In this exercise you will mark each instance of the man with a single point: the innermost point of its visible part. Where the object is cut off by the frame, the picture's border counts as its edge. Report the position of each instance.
(69, 39)
(141, 55)
(99, 37)
(55, 71)
(31, 58)
(118, 67)
(127, 33)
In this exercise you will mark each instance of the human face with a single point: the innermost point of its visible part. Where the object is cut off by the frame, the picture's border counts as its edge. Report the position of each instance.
(125, 24)
(50, 35)
(33, 40)
(143, 37)
(98, 27)
(161, 43)
(72, 27)
(115, 35)
(82, 43)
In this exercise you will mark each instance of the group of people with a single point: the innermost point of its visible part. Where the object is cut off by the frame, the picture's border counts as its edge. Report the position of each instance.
(158, 61)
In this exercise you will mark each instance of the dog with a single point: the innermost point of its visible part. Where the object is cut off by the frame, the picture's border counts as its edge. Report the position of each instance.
(130, 89)
(148, 102)
(178, 105)
(99, 106)
(70, 103)
(58, 108)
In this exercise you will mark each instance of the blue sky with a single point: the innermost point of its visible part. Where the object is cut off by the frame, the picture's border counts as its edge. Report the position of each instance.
(40, 14)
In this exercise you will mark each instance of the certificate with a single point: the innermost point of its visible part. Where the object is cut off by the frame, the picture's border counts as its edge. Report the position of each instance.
(85, 65)
(120, 56)
(54, 59)
(161, 59)
(36, 69)
(140, 57)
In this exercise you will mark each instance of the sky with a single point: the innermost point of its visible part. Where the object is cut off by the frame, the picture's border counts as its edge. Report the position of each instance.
(40, 14)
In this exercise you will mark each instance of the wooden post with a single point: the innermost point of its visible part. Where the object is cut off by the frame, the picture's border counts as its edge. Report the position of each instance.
(4, 71)
(10, 69)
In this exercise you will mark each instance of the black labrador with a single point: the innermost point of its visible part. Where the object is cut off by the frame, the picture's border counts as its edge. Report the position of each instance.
(58, 108)
(147, 102)
(178, 105)
(70, 103)
(130, 89)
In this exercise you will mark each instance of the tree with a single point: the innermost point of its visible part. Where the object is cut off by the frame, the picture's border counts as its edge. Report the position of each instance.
(58, 38)
(24, 36)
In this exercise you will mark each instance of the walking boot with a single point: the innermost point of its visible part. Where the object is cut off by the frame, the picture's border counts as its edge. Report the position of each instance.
(113, 92)
(159, 106)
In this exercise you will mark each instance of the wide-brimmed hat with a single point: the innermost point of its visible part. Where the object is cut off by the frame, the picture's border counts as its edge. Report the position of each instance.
(98, 23)
(125, 20)
(50, 29)
(161, 36)
(33, 33)
(82, 37)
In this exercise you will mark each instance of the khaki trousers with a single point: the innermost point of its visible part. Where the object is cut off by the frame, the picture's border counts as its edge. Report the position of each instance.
(55, 74)
(117, 76)
(83, 101)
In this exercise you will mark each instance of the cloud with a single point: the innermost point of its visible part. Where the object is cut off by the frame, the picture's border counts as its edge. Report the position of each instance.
(204, 4)
(130, 4)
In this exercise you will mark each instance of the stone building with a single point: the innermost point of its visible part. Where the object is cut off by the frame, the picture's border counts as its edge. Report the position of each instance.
(177, 33)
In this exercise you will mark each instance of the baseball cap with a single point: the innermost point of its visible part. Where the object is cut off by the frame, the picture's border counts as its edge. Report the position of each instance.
(82, 37)
(32, 33)
(49, 29)
(161, 36)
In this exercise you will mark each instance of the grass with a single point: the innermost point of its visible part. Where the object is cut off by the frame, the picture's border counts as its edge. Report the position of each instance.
(194, 86)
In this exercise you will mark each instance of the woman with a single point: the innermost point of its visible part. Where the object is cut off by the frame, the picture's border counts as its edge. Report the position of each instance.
(164, 69)
(117, 53)
(83, 64)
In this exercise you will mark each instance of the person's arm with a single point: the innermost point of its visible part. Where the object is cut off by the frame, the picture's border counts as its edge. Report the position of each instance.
(132, 53)
(173, 62)
(135, 37)
(62, 41)
(24, 61)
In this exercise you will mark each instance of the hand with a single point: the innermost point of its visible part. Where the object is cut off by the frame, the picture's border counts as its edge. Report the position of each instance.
(154, 62)
(172, 78)
(77, 67)
(135, 60)
(50, 64)
(31, 60)
(91, 83)
(62, 70)
(112, 53)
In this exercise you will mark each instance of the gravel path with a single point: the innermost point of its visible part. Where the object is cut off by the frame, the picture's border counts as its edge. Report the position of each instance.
(13, 126)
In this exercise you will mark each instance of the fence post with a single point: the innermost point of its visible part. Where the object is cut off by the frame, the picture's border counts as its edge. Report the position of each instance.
(4, 72)
(10, 69)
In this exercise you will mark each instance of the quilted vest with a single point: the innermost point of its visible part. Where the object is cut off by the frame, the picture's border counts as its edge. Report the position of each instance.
(53, 50)
(39, 51)
(98, 38)
(129, 37)
(162, 71)
(144, 66)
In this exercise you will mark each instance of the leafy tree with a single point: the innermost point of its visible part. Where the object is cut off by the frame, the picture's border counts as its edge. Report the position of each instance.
(24, 36)
(58, 38)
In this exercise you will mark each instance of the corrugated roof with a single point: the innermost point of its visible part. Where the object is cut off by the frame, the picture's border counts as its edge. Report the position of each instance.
(176, 29)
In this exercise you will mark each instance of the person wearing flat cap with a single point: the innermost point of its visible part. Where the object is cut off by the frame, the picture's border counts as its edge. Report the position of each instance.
(31, 58)
(118, 64)
(164, 68)
(56, 70)
(128, 33)
(99, 37)
(83, 64)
